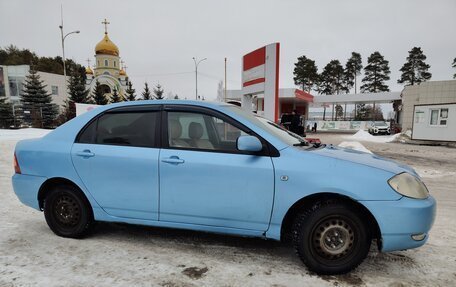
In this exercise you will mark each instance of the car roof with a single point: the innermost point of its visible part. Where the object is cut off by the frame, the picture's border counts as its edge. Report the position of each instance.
(68, 131)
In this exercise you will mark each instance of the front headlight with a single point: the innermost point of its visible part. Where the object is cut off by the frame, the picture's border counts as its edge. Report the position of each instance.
(408, 185)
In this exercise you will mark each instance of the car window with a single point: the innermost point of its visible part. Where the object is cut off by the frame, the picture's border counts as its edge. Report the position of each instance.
(125, 129)
(286, 136)
(194, 130)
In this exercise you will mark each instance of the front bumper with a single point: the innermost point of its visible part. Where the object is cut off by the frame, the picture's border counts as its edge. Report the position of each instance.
(401, 219)
(26, 188)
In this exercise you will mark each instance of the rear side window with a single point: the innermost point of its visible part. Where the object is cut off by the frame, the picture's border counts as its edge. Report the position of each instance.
(124, 129)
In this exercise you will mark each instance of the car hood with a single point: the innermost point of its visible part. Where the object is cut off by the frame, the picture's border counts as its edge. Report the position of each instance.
(363, 158)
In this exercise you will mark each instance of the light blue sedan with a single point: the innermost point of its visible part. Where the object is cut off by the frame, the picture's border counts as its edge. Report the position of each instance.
(216, 168)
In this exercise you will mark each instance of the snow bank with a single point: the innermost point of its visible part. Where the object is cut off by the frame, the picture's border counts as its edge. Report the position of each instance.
(365, 136)
(22, 134)
(354, 145)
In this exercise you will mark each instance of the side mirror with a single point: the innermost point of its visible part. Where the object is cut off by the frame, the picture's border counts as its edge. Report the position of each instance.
(249, 143)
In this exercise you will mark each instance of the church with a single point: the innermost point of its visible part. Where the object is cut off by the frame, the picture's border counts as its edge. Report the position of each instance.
(108, 69)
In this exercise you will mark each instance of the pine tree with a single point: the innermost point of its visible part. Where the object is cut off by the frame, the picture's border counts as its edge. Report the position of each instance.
(6, 113)
(77, 90)
(339, 111)
(39, 111)
(115, 97)
(375, 74)
(130, 93)
(352, 70)
(454, 66)
(415, 70)
(332, 79)
(98, 96)
(78, 94)
(158, 92)
(305, 73)
(146, 93)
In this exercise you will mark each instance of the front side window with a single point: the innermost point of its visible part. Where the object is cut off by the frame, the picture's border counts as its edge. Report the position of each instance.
(124, 129)
(200, 131)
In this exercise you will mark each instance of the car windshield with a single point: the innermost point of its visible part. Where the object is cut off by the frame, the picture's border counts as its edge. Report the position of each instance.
(278, 131)
(380, 123)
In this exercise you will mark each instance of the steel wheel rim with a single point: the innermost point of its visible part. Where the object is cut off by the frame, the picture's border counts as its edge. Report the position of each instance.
(333, 238)
(67, 211)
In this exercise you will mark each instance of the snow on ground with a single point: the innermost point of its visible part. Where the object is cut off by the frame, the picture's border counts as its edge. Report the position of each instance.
(354, 145)
(21, 134)
(365, 136)
(128, 255)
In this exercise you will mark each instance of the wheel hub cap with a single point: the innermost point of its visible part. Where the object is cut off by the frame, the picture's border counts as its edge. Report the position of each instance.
(66, 211)
(333, 238)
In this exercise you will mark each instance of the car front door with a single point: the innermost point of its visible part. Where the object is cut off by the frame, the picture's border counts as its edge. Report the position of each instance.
(205, 180)
(116, 157)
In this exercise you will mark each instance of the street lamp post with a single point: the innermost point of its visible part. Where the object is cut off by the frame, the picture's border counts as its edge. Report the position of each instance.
(63, 51)
(196, 74)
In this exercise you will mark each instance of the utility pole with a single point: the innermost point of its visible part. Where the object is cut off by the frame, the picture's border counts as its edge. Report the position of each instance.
(225, 79)
(196, 74)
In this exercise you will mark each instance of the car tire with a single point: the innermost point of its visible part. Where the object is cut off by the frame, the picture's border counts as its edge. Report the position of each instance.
(67, 212)
(331, 238)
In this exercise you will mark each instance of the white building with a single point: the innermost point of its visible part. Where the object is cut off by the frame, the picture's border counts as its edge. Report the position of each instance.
(12, 79)
(429, 110)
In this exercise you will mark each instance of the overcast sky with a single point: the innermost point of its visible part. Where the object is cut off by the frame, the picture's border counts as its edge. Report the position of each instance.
(157, 39)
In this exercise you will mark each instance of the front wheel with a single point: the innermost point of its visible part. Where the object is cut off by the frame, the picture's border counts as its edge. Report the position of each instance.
(330, 238)
(67, 212)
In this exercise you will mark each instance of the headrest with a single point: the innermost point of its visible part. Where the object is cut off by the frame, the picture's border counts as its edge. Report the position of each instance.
(175, 128)
(195, 131)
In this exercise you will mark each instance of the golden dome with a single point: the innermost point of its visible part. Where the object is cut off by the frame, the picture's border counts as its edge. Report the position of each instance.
(107, 47)
(122, 73)
(89, 71)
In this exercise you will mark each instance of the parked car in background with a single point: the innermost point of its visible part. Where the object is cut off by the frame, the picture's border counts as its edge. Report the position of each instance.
(379, 128)
(214, 167)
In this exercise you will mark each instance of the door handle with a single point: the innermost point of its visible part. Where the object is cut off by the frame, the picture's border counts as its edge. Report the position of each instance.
(173, 160)
(85, 153)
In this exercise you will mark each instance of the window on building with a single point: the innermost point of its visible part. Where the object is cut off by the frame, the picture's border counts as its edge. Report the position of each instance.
(55, 90)
(439, 117)
(115, 64)
(106, 63)
(434, 117)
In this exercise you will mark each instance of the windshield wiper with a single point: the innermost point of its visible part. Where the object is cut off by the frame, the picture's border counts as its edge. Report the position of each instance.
(301, 143)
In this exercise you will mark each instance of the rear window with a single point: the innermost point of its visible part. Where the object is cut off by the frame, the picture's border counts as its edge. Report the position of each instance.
(124, 129)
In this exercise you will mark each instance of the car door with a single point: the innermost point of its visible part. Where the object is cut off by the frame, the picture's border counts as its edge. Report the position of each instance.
(205, 180)
(116, 157)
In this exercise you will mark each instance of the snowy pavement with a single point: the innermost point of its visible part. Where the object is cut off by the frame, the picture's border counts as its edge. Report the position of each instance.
(126, 255)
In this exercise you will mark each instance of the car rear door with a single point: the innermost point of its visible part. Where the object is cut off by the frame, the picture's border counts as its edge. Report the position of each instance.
(205, 180)
(116, 157)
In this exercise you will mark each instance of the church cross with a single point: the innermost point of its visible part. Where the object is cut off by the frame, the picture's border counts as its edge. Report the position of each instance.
(105, 22)
(88, 62)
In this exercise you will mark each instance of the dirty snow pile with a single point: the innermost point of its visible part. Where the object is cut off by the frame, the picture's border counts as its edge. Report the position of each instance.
(365, 136)
(354, 145)
(22, 134)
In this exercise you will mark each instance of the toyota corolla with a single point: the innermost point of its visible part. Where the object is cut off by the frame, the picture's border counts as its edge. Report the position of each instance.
(216, 168)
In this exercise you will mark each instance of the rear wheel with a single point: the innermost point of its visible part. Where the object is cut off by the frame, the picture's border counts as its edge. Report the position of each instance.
(330, 238)
(67, 212)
